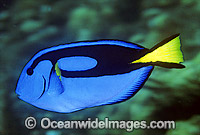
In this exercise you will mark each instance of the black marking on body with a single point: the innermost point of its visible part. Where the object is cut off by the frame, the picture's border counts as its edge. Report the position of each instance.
(111, 59)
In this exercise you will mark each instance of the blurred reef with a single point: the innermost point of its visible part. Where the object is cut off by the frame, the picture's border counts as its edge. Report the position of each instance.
(27, 26)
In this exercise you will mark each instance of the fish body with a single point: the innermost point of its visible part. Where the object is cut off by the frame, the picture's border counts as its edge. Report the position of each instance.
(75, 76)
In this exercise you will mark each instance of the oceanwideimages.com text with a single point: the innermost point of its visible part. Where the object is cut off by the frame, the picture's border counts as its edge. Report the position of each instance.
(129, 125)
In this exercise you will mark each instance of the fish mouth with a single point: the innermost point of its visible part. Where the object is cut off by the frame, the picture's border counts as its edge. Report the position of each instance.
(17, 91)
(44, 89)
(17, 94)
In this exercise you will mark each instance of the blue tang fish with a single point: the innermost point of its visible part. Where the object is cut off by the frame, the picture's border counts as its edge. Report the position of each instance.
(75, 76)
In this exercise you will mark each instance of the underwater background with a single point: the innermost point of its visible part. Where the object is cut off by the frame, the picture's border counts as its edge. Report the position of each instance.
(27, 26)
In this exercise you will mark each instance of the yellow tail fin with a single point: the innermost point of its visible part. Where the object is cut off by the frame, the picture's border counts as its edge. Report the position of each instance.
(166, 54)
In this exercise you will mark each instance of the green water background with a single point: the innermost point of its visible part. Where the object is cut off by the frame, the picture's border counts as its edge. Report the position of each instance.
(27, 26)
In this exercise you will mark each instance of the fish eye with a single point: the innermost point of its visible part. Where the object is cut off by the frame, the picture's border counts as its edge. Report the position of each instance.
(29, 71)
